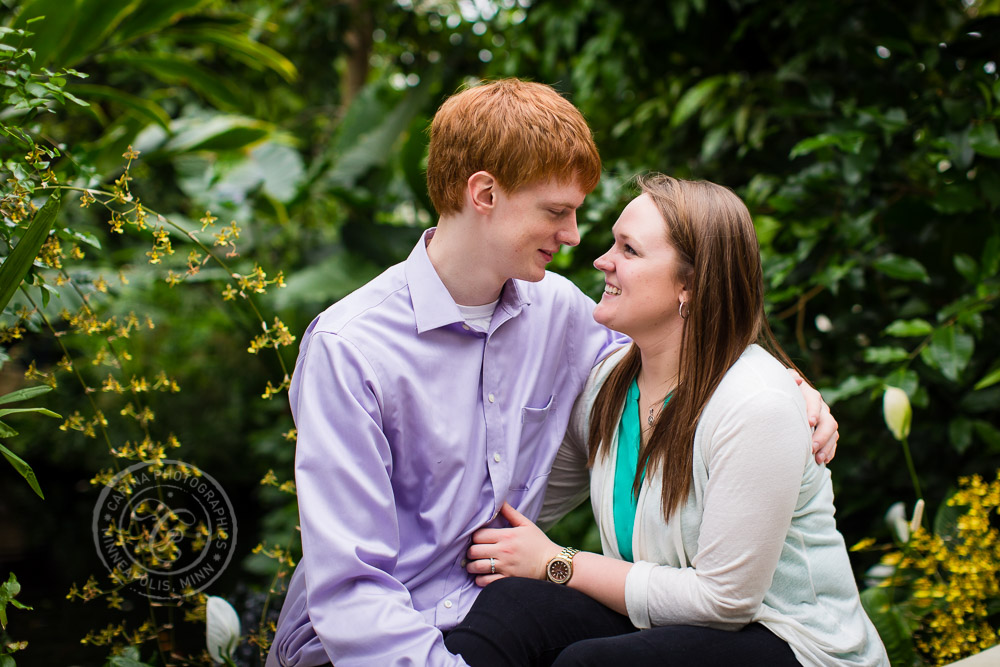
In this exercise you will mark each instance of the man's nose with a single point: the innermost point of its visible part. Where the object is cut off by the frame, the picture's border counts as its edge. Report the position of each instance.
(570, 234)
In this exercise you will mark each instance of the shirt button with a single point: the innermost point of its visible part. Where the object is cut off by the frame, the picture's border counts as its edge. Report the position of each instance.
(465, 326)
(496, 457)
(464, 562)
(447, 604)
(492, 398)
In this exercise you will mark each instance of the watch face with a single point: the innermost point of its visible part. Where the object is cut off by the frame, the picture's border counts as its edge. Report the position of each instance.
(559, 571)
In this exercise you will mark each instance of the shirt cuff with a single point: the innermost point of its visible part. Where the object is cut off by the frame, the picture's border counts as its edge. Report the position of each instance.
(637, 593)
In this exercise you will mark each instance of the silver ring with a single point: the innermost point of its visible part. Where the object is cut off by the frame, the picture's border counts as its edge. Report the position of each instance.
(493, 566)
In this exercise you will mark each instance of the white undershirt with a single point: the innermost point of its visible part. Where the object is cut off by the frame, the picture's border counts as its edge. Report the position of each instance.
(478, 317)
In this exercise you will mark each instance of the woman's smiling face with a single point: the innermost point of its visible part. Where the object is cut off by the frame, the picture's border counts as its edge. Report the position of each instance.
(643, 289)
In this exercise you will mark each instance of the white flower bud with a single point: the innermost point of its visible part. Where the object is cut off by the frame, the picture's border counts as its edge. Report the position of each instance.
(222, 633)
(897, 412)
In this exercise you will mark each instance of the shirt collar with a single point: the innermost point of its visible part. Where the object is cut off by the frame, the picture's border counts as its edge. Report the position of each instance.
(433, 306)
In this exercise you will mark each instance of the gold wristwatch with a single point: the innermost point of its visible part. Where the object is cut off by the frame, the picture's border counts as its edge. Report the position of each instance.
(560, 568)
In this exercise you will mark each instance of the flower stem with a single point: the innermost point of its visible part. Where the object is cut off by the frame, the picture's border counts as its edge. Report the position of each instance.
(909, 465)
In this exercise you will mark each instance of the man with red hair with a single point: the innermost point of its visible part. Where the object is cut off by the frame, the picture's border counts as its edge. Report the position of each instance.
(441, 389)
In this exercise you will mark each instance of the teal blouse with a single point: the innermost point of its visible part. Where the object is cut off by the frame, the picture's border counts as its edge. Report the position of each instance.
(628, 461)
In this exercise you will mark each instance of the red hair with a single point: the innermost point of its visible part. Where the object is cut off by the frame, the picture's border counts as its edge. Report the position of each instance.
(520, 132)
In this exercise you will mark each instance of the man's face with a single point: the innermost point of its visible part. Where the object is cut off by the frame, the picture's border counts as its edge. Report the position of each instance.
(528, 226)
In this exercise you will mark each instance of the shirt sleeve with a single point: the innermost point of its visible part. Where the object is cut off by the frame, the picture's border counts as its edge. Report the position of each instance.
(350, 537)
(757, 455)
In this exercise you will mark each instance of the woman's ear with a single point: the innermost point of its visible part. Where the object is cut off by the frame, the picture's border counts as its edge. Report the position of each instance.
(481, 189)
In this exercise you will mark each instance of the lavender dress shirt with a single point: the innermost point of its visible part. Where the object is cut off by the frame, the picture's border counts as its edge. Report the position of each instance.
(412, 432)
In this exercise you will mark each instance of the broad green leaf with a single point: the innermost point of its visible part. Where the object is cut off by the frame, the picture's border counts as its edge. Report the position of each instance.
(215, 133)
(983, 139)
(989, 433)
(374, 148)
(100, 18)
(53, 33)
(20, 259)
(24, 394)
(989, 380)
(173, 69)
(949, 351)
(906, 379)
(257, 55)
(147, 109)
(693, 99)
(281, 170)
(412, 157)
(907, 328)
(885, 355)
(902, 268)
(891, 625)
(155, 16)
(24, 469)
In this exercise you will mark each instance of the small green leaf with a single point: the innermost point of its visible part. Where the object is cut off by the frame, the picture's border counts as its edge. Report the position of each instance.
(902, 268)
(990, 260)
(966, 266)
(991, 379)
(693, 99)
(42, 411)
(20, 259)
(24, 394)
(852, 386)
(907, 328)
(946, 519)
(22, 467)
(989, 433)
(847, 142)
(878, 355)
(6, 431)
(960, 433)
(983, 139)
(949, 351)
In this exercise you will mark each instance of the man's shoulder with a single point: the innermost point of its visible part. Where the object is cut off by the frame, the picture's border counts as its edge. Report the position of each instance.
(383, 296)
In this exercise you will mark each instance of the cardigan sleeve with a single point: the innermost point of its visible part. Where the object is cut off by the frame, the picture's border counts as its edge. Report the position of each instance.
(756, 453)
(569, 481)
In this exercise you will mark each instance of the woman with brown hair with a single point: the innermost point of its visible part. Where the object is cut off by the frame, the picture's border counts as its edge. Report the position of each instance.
(715, 520)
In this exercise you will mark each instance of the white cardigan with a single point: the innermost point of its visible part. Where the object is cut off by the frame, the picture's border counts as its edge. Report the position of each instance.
(756, 540)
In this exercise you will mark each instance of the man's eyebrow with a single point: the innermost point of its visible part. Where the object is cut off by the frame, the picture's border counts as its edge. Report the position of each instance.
(558, 204)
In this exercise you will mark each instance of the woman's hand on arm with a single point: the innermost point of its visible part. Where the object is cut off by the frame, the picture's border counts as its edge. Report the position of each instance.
(524, 551)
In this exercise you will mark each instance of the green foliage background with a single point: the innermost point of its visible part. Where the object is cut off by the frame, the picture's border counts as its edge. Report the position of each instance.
(863, 136)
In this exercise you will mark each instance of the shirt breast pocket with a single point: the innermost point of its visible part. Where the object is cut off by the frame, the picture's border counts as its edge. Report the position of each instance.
(535, 445)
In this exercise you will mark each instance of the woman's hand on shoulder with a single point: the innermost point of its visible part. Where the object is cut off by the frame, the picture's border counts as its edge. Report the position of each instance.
(520, 551)
(825, 427)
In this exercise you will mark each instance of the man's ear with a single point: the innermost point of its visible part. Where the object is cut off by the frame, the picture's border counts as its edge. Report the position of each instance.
(482, 189)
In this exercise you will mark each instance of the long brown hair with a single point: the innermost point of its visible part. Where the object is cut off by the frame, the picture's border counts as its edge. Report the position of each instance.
(719, 263)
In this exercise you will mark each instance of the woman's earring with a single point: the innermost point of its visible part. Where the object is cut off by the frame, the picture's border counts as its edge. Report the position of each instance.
(680, 311)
